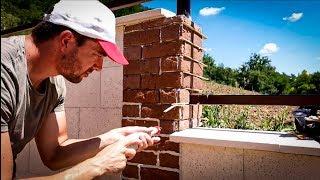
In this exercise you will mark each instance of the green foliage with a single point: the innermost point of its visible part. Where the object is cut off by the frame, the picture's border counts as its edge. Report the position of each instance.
(20, 12)
(219, 73)
(259, 75)
(219, 116)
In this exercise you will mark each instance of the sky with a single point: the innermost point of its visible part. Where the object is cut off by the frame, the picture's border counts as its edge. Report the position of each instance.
(287, 31)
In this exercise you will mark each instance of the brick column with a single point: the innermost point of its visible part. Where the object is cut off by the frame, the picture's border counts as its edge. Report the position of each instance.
(165, 67)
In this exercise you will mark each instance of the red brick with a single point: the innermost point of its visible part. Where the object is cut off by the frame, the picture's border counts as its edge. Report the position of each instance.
(150, 66)
(145, 158)
(170, 64)
(156, 111)
(186, 33)
(161, 22)
(140, 122)
(184, 124)
(131, 171)
(131, 81)
(197, 83)
(197, 54)
(141, 96)
(187, 48)
(142, 66)
(135, 27)
(186, 112)
(148, 81)
(162, 49)
(197, 40)
(187, 81)
(185, 66)
(174, 96)
(142, 37)
(170, 80)
(171, 32)
(168, 160)
(169, 126)
(153, 23)
(194, 123)
(169, 96)
(184, 96)
(132, 52)
(130, 111)
(127, 122)
(175, 64)
(193, 82)
(197, 69)
(197, 111)
(154, 173)
(197, 27)
(165, 145)
(132, 68)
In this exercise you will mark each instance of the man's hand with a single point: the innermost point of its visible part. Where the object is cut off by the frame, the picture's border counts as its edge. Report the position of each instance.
(125, 131)
(119, 133)
(112, 159)
(144, 141)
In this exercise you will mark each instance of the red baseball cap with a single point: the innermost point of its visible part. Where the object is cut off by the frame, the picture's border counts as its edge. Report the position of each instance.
(92, 19)
(113, 52)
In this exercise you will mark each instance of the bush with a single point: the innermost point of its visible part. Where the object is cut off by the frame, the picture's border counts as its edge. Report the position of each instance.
(224, 116)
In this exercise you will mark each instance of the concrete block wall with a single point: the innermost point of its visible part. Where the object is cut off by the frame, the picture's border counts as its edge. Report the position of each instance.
(217, 162)
(165, 66)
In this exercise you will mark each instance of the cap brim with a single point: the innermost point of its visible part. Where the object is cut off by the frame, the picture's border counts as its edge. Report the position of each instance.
(113, 52)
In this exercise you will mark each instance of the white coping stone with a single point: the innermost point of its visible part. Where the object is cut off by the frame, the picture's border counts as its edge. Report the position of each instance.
(248, 139)
(143, 16)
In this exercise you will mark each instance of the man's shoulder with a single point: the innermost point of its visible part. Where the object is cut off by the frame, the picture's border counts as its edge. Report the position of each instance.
(59, 84)
(11, 44)
(12, 51)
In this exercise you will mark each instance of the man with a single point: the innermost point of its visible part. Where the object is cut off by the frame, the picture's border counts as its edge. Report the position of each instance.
(71, 42)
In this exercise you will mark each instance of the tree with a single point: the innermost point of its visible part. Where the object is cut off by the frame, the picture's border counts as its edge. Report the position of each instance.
(20, 12)
(258, 75)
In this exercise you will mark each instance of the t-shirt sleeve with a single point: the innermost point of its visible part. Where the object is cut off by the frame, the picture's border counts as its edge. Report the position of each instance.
(61, 91)
(7, 101)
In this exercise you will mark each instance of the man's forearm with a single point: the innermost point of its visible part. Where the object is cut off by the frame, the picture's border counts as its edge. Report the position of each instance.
(84, 170)
(74, 151)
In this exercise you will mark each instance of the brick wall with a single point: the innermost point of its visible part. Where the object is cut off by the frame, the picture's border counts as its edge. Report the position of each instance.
(165, 67)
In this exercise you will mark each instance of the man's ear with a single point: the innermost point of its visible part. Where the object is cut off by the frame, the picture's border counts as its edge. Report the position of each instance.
(66, 40)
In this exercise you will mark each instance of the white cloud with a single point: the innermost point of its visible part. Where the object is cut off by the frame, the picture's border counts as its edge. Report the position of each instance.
(318, 58)
(269, 49)
(294, 17)
(208, 49)
(207, 11)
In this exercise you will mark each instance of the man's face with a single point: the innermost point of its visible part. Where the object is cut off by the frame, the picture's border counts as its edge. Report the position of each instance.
(79, 62)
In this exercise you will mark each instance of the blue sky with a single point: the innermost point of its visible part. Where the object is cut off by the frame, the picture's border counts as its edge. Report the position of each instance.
(286, 31)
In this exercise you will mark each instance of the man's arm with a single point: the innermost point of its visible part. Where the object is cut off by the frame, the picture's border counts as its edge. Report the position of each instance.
(6, 157)
(110, 160)
(57, 151)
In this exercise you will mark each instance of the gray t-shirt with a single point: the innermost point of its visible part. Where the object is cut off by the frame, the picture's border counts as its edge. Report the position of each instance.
(23, 108)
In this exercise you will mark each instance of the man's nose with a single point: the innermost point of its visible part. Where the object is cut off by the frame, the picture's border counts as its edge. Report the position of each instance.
(98, 65)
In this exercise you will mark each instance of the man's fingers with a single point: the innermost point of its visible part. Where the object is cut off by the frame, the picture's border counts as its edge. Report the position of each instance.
(140, 141)
(130, 153)
(144, 142)
(131, 141)
(149, 140)
(156, 139)
(135, 129)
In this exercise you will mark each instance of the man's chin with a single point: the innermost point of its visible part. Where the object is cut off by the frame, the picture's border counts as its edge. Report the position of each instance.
(74, 79)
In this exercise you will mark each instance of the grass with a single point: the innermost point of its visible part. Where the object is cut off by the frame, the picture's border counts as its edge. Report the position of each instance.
(253, 117)
(222, 116)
